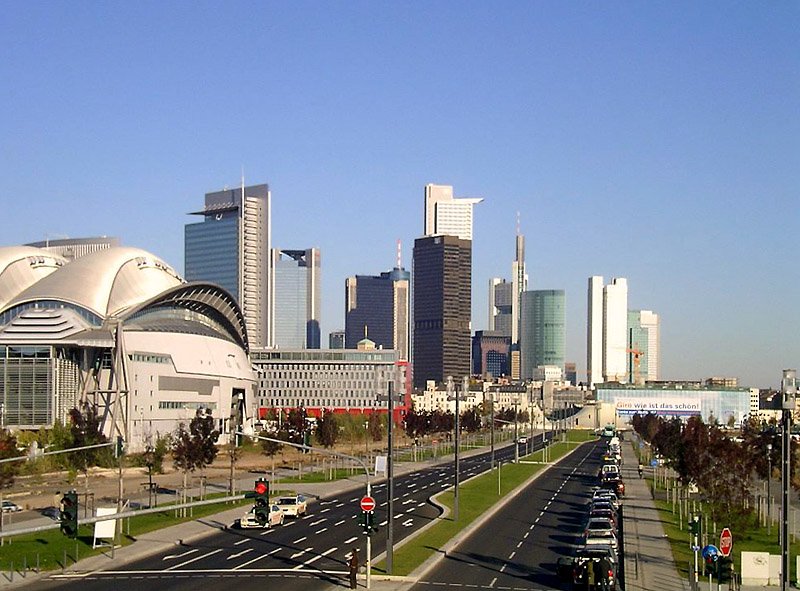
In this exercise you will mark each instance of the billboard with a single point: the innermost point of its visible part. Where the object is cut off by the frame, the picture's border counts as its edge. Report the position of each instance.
(684, 406)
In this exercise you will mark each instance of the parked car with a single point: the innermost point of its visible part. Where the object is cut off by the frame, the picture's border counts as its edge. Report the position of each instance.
(602, 559)
(293, 506)
(522, 440)
(276, 517)
(9, 507)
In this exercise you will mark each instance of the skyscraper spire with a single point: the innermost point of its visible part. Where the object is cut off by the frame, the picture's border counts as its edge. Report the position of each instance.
(399, 254)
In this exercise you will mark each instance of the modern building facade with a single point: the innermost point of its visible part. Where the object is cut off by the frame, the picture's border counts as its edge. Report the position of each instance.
(501, 300)
(643, 346)
(445, 214)
(73, 248)
(296, 292)
(346, 380)
(543, 330)
(491, 354)
(336, 339)
(442, 276)
(231, 248)
(607, 334)
(118, 330)
(378, 307)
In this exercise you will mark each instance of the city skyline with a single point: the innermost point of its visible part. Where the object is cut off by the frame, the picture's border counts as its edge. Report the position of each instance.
(653, 142)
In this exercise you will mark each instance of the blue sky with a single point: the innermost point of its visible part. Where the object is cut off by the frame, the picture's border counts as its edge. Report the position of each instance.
(656, 141)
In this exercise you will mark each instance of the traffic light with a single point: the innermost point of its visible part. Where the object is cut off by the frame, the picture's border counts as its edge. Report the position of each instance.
(68, 514)
(262, 501)
(367, 522)
(694, 525)
(725, 569)
(119, 447)
(711, 566)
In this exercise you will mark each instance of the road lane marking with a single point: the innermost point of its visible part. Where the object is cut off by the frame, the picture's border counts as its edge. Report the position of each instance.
(244, 541)
(317, 557)
(296, 554)
(180, 555)
(353, 539)
(300, 540)
(206, 555)
(494, 580)
(320, 531)
(242, 553)
(317, 522)
(512, 555)
(339, 522)
(519, 545)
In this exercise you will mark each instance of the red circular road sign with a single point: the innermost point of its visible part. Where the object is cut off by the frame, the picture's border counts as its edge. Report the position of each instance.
(367, 504)
(725, 542)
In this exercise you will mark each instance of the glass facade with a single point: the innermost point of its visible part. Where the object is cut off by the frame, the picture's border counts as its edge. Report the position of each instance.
(543, 330)
(212, 251)
(26, 386)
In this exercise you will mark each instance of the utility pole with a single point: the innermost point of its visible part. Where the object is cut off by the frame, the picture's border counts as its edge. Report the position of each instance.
(789, 390)
(516, 423)
(390, 477)
(491, 423)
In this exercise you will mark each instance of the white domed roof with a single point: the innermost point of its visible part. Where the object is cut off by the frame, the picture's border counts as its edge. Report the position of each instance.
(106, 282)
(21, 267)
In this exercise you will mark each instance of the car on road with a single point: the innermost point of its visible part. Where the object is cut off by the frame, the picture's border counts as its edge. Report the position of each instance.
(522, 440)
(9, 507)
(276, 517)
(295, 506)
(51, 512)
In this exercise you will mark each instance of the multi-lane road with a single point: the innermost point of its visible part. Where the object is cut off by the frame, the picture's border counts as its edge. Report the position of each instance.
(516, 549)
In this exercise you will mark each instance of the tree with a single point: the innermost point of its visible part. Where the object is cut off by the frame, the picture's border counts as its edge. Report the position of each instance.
(470, 420)
(8, 449)
(194, 447)
(85, 432)
(375, 427)
(327, 430)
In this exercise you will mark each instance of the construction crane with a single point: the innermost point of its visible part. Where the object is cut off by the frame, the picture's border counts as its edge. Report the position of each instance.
(637, 354)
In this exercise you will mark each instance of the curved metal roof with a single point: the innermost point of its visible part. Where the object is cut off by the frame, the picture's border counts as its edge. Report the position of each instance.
(21, 267)
(107, 282)
(206, 299)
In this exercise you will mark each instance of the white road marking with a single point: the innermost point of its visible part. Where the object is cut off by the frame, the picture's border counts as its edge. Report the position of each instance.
(339, 522)
(317, 522)
(408, 522)
(242, 553)
(180, 555)
(320, 531)
(317, 557)
(207, 554)
(303, 539)
(296, 554)
(494, 580)
(353, 539)
(241, 542)
(512, 555)
(519, 545)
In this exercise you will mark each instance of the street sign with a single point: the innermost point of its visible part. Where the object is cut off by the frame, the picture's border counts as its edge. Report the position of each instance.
(725, 542)
(367, 504)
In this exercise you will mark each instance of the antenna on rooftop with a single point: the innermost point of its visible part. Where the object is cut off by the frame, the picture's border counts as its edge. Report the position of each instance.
(399, 254)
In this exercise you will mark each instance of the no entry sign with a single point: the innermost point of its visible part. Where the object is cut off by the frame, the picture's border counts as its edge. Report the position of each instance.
(367, 503)
(725, 542)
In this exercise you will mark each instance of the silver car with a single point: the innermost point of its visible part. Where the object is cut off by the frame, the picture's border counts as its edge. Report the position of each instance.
(276, 517)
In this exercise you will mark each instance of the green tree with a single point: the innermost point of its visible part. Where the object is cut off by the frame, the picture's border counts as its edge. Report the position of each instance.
(376, 427)
(84, 432)
(8, 449)
(327, 430)
(194, 447)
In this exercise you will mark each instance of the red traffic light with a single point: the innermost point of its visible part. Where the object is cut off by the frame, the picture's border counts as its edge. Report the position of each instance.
(261, 487)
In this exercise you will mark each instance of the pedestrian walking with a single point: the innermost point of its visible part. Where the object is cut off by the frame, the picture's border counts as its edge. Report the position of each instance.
(641, 470)
(352, 564)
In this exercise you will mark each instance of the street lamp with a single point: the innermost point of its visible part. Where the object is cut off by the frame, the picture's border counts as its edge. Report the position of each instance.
(769, 497)
(789, 391)
(516, 439)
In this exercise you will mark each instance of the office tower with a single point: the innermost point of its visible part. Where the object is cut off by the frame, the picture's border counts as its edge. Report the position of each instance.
(571, 373)
(296, 288)
(336, 339)
(542, 330)
(520, 285)
(491, 354)
(442, 276)
(643, 346)
(231, 248)
(501, 300)
(607, 334)
(73, 248)
(445, 214)
(377, 307)
(594, 332)
(615, 330)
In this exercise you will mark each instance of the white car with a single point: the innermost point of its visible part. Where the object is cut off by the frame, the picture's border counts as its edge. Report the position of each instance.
(276, 517)
(293, 506)
(9, 507)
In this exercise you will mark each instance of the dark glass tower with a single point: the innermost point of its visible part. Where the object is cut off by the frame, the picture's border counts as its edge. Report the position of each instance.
(442, 308)
(378, 306)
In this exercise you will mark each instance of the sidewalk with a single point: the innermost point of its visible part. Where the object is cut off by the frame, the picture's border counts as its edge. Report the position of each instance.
(648, 556)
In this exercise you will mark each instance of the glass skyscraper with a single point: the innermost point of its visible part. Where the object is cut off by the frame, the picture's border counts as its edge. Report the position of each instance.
(296, 309)
(230, 248)
(543, 330)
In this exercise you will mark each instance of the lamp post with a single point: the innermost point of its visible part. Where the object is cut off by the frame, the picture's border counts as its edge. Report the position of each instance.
(789, 391)
(516, 423)
(769, 496)
(491, 425)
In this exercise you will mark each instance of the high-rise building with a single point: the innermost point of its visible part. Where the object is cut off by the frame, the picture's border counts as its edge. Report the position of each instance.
(519, 280)
(296, 288)
(377, 307)
(607, 331)
(542, 330)
(73, 248)
(491, 354)
(336, 339)
(501, 299)
(643, 346)
(231, 248)
(448, 215)
(442, 277)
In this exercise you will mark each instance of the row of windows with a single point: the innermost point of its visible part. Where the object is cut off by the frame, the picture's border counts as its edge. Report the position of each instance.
(150, 358)
(320, 374)
(320, 403)
(177, 404)
(328, 384)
